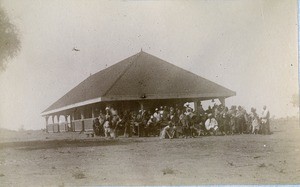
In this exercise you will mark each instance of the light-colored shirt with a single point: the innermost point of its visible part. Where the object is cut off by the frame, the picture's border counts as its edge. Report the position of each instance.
(211, 124)
(150, 121)
(265, 114)
(106, 124)
(157, 116)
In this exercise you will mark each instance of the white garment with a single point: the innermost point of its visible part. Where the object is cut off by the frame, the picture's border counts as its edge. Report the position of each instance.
(157, 116)
(149, 122)
(188, 113)
(265, 114)
(161, 112)
(211, 124)
(106, 128)
(164, 132)
(171, 116)
(255, 122)
(106, 124)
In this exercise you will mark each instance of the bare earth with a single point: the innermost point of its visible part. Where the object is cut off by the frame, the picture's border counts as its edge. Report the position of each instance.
(35, 158)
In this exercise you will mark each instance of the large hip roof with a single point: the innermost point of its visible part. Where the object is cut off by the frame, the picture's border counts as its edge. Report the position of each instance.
(141, 76)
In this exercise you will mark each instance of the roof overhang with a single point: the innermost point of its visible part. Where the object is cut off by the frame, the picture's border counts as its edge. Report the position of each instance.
(165, 96)
(87, 102)
(204, 96)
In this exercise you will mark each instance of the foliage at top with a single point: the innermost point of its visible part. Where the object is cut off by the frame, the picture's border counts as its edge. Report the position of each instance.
(9, 40)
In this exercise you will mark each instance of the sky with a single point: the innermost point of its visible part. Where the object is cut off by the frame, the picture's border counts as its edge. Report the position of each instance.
(247, 46)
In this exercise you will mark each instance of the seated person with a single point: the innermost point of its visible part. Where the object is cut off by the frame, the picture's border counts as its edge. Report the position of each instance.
(211, 124)
(156, 115)
(167, 132)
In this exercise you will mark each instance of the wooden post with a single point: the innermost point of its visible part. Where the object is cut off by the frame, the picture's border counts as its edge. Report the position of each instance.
(142, 108)
(82, 115)
(196, 105)
(72, 118)
(141, 105)
(53, 123)
(82, 119)
(46, 118)
(93, 114)
(58, 122)
(66, 124)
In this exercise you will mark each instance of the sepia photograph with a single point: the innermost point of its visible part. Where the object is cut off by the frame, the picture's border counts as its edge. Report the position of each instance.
(149, 92)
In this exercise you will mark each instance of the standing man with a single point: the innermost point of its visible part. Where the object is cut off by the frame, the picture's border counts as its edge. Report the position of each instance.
(107, 122)
(157, 115)
(96, 126)
(240, 120)
(225, 120)
(232, 122)
(265, 120)
(254, 121)
(200, 109)
(126, 121)
(101, 121)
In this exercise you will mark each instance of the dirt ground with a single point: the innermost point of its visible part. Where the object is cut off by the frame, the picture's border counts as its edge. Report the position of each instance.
(35, 158)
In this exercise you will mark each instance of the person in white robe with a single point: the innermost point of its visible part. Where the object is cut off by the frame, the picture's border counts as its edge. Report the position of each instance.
(255, 121)
(265, 120)
(211, 124)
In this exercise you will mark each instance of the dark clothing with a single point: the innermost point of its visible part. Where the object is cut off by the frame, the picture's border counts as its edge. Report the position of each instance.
(97, 127)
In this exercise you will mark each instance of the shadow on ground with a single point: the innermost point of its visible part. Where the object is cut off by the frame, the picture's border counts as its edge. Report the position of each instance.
(54, 144)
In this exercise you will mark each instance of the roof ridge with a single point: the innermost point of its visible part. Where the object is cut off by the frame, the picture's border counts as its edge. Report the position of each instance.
(119, 77)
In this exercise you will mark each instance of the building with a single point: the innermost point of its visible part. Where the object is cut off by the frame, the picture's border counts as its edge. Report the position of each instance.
(140, 81)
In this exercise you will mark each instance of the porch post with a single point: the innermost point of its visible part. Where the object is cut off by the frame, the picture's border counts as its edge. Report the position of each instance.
(72, 118)
(53, 122)
(93, 113)
(141, 105)
(46, 118)
(197, 103)
(58, 115)
(66, 124)
(82, 119)
(142, 108)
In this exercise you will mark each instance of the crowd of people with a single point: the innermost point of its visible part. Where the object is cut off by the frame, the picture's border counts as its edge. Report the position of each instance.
(174, 122)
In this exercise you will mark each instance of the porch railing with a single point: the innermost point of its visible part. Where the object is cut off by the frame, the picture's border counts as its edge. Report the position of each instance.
(76, 126)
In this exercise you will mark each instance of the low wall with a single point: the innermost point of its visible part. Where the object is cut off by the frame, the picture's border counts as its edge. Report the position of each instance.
(76, 126)
(88, 124)
(55, 127)
(49, 128)
(52, 127)
(63, 127)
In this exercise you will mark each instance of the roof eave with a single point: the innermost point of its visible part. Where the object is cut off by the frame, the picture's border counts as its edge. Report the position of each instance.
(83, 103)
(136, 97)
